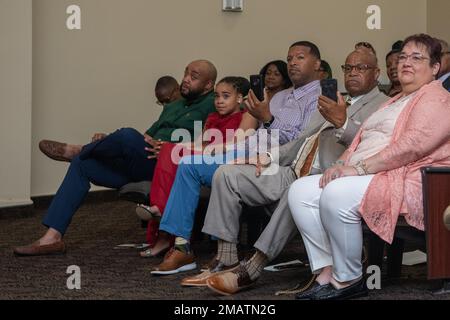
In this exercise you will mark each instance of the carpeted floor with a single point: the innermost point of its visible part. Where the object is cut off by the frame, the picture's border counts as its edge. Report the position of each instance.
(108, 273)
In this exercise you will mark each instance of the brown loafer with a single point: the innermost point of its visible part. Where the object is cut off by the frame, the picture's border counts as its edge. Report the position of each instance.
(215, 268)
(175, 261)
(54, 150)
(35, 249)
(230, 282)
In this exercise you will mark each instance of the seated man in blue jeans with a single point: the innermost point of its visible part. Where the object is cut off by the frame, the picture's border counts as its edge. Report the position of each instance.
(121, 157)
(288, 113)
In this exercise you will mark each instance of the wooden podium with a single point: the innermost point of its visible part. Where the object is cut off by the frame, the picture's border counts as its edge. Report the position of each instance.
(436, 197)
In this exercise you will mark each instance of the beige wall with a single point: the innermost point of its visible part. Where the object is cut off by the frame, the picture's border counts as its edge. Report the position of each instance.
(438, 20)
(101, 77)
(15, 102)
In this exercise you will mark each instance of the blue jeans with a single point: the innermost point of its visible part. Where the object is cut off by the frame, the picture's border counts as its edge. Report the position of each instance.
(193, 173)
(112, 162)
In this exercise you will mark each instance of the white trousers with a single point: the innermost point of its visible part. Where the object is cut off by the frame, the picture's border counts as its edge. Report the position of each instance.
(329, 222)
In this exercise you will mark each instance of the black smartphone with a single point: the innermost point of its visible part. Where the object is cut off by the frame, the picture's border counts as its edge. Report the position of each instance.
(329, 88)
(257, 86)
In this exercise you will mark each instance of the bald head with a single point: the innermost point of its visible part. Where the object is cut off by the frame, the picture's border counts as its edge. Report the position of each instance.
(209, 69)
(371, 56)
(364, 73)
(199, 78)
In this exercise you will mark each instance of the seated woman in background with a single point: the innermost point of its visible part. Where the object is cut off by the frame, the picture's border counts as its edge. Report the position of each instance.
(325, 70)
(276, 79)
(392, 73)
(229, 93)
(378, 178)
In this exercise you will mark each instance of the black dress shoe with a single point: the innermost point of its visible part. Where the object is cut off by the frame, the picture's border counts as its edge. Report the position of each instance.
(308, 294)
(356, 290)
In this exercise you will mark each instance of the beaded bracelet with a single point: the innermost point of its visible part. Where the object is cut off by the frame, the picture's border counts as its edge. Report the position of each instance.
(361, 168)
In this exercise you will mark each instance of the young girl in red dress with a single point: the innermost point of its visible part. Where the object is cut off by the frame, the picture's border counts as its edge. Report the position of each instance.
(229, 95)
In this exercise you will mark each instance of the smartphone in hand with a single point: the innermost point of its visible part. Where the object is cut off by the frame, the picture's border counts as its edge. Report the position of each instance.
(257, 85)
(329, 88)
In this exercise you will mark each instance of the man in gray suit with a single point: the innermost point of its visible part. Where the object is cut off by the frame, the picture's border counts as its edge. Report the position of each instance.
(235, 185)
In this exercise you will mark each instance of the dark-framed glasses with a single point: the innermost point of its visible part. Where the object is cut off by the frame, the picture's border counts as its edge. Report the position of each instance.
(361, 68)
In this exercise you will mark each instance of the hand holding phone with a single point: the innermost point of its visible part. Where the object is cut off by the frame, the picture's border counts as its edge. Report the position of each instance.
(257, 86)
(334, 111)
(329, 88)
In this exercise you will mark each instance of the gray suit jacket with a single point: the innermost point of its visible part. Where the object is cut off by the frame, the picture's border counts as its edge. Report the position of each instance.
(330, 147)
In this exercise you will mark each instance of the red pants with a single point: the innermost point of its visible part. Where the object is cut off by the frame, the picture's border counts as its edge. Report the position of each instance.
(163, 178)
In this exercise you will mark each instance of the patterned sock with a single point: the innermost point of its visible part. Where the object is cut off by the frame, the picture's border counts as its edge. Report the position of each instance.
(256, 265)
(227, 253)
(182, 245)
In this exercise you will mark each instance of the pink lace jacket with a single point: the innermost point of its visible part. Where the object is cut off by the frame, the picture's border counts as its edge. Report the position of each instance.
(421, 138)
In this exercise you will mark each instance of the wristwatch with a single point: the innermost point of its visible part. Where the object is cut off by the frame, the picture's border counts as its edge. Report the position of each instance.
(267, 124)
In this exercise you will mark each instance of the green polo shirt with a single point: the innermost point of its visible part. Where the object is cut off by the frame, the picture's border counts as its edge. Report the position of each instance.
(181, 114)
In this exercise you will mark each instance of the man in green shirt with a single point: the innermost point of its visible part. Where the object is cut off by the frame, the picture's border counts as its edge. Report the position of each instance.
(121, 157)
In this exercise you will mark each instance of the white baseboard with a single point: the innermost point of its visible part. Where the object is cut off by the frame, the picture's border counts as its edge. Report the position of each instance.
(14, 203)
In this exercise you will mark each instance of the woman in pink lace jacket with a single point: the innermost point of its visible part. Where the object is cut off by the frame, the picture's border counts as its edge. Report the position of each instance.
(377, 178)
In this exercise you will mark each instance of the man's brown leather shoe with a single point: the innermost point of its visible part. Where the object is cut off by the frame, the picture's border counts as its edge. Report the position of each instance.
(35, 249)
(54, 150)
(230, 282)
(175, 261)
(215, 268)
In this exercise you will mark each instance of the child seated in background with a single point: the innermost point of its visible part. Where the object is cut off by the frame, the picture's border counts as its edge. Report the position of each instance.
(229, 96)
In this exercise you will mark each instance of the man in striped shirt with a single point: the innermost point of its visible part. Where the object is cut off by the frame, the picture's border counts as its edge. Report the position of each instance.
(285, 117)
(291, 109)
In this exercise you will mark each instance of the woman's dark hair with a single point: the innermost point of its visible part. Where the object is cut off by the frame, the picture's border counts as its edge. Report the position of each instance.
(433, 46)
(390, 53)
(282, 69)
(240, 84)
(397, 45)
(325, 67)
(396, 48)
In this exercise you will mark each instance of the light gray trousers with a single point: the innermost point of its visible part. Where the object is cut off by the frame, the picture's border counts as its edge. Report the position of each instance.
(236, 185)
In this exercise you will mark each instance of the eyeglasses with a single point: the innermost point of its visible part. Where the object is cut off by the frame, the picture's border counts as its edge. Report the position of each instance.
(361, 68)
(416, 58)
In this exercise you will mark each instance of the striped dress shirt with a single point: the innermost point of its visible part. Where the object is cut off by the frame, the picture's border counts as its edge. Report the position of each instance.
(292, 110)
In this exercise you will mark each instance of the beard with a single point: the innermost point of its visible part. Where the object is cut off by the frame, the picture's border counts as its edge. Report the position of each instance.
(191, 94)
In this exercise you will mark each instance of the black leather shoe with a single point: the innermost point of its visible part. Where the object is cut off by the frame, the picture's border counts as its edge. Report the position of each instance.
(356, 290)
(312, 290)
